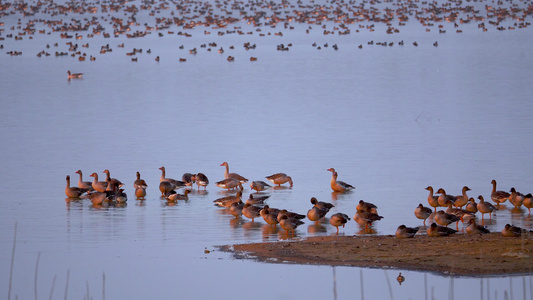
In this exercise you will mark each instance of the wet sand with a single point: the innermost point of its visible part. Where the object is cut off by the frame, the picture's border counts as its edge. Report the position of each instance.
(460, 254)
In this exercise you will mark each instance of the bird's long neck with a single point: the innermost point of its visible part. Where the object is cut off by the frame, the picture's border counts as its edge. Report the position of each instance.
(226, 174)
(162, 175)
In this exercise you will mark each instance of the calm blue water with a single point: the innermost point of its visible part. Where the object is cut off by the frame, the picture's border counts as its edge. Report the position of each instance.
(390, 120)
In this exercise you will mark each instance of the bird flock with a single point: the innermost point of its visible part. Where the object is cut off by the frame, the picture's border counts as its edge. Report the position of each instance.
(111, 192)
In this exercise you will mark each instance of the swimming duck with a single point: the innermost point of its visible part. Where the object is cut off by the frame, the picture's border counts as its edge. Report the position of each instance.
(74, 75)
(404, 232)
(188, 179)
(436, 230)
(512, 231)
(139, 182)
(84, 184)
(423, 212)
(73, 192)
(289, 224)
(290, 214)
(176, 197)
(498, 196)
(270, 215)
(201, 180)
(226, 201)
(229, 183)
(322, 205)
(338, 186)
(473, 228)
(259, 185)
(316, 213)
(257, 200)
(445, 219)
(444, 199)
(113, 181)
(236, 176)
(99, 186)
(279, 179)
(338, 219)
(462, 199)
(176, 183)
(236, 208)
(516, 198)
(432, 200)
(528, 202)
(472, 205)
(485, 207)
(251, 211)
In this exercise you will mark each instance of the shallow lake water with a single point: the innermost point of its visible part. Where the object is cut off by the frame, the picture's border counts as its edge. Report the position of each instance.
(391, 120)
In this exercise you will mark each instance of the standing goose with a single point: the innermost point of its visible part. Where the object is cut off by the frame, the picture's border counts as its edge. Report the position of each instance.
(432, 200)
(279, 179)
(140, 192)
(251, 211)
(366, 206)
(270, 215)
(99, 186)
(228, 200)
(516, 198)
(485, 207)
(84, 184)
(73, 192)
(229, 183)
(445, 219)
(290, 214)
(289, 224)
(339, 219)
(444, 199)
(176, 183)
(462, 199)
(404, 232)
(365, 218)
(257, 200)
(498, 196)
(139, 182)
(188, 179)
(471, 206)
(315, 214)
(113, 181)
(201, 180)
(528, 202)
(166, 188)
(236, 208)
(461, 213)
(337, 185)
(322, 205)
(236, 176)
(259, 186)
(423, 212)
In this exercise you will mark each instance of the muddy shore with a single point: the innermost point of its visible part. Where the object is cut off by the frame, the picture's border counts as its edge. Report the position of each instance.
(460, 254)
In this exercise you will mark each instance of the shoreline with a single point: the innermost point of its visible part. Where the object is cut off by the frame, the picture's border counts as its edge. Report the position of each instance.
(460, 254)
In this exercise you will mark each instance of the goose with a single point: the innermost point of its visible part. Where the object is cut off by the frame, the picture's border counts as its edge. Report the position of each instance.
(316, 213)
(97, 198)
(140, 192)
(259, 186)
(121, 196)
(229, 183)
(436, 230)
(139, 182)
(226, 201)
(472, 205)
(251, 211)
(400, 277)
(236, 208)
(512, 231)
(73, 192)
(432, 200)
(528, 202)
(445, 219)
(188, 179)
(444, 198)
(462, 199)
(485, 207)
(290, 214)
(166, 187)
(322, 205)
(176, 197)
(498, 196)
(257, 200)
(366, 206)
(404, 232)
(84, 184)
(201, 180)
(279, 179)
(474, 228)
(365, 218)
(270, 215)
(236, 176)
(339, 219)
(113, 181)
(423, 212)
(176, 183)
(99, 186)
(289, 224)
(336, 185)
(461, 213)
(516, 198)
(74, 75)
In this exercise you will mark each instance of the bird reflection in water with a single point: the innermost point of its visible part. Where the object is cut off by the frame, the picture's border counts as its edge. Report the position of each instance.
(316, 228)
